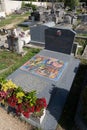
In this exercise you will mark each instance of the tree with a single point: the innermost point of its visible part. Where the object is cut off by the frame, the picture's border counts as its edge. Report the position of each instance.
(71, 3)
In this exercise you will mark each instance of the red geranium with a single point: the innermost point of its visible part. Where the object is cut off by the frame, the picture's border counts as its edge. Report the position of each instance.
(12, 101)
(40, 104)
(26, 114)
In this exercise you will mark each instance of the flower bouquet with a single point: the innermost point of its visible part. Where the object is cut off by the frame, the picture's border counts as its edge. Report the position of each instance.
(25, 104)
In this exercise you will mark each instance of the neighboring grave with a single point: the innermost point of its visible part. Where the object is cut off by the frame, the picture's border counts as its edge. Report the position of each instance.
(16, 39)
(51, 74)
(37, 33)
(67, 19)
(83, 17)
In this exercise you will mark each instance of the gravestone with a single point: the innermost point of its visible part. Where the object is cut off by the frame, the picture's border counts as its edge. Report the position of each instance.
(59, 39)
(67, 19)
(36, 15)
(16, 39)
(37, 32)
(84, 18)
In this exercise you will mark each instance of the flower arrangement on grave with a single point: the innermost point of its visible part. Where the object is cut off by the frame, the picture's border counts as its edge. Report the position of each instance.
(25, 103)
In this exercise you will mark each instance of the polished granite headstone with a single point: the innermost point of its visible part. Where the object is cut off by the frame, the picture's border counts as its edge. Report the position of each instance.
(59, 39)
(51, 79)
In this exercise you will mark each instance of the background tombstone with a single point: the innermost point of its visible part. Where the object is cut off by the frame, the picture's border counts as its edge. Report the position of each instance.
(67, 18)
(38, 32)
(60, 40)
(35, 15)
(84, 18)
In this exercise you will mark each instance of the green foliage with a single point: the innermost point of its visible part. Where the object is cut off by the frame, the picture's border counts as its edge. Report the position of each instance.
(30, 5)
(13, 18)
(23, 4)
(71, 3)
(31, 96)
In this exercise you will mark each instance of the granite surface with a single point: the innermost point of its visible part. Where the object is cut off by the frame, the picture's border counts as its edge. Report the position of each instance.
(55, 92)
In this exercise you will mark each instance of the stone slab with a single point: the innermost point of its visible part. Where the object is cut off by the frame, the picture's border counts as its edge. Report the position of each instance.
(27, 24)
(55, 92)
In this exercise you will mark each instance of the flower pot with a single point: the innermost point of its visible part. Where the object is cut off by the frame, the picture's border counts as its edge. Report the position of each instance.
(33, 119)
(38, 119)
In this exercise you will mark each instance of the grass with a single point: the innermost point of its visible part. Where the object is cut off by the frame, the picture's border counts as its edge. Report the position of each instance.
(13, 18)
(12, 60)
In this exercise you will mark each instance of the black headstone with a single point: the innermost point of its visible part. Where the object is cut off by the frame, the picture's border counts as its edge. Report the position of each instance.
(36, 15)
(59, 39)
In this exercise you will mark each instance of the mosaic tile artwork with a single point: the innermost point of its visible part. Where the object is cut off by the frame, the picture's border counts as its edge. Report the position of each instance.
(45, 66)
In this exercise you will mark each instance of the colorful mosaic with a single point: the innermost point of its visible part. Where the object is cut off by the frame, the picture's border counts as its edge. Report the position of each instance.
(44, 66)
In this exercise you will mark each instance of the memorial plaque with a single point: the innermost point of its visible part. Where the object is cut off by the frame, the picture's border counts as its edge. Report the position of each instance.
(59, 39)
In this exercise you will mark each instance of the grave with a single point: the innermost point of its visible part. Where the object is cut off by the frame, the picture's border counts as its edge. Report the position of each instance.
(27, 23)
(83, 18)
(37, 33)
(51, 74)
(16, 39)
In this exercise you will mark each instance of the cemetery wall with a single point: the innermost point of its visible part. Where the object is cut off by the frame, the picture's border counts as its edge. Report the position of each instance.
(10, 6)
(44, 4)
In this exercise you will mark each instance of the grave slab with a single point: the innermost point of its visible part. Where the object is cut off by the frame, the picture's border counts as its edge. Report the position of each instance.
(55, 91)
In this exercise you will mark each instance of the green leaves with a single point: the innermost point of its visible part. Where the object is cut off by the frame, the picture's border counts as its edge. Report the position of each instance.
(31, 97)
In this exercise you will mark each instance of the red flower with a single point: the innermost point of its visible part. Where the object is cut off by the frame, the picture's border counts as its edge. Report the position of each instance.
(26, 114)
(40, 104)
(18, 108)
(38, 108)
(31, 109)
(12, 101)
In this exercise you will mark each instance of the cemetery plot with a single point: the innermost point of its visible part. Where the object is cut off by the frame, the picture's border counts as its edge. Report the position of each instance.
(45, 66)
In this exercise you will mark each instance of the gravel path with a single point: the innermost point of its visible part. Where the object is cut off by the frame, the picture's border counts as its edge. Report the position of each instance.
(8, 122)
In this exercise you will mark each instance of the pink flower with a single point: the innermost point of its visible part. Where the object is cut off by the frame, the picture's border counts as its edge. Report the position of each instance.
(3, 94)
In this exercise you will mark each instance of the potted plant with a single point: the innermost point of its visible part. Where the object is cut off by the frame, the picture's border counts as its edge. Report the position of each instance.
(25, 104)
